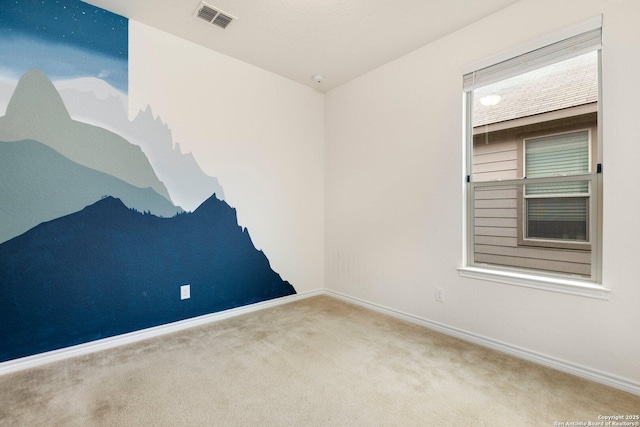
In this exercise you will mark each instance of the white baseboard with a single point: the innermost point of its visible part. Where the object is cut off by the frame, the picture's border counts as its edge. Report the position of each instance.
(132, 337)
(522, 353)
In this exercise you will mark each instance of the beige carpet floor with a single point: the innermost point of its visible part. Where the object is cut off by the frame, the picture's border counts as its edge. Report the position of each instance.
(313, 362)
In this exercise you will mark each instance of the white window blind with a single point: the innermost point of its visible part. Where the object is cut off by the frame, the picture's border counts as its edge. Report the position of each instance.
(565, 49)
(557, 155)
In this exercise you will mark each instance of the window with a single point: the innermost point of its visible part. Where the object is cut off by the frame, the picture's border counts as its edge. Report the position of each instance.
(534, 164)
(556, 213)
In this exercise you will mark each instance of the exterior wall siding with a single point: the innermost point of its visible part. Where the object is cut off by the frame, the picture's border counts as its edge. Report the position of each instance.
(496, 216)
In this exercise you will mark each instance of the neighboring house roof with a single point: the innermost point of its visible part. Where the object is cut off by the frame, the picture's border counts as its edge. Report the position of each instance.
(558, 86)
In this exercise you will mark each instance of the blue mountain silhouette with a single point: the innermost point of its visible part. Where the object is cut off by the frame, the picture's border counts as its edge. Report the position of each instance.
(107, 270)
(39, 184)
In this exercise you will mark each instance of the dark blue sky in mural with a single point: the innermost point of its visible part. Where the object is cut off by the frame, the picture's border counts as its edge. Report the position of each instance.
(65, 39)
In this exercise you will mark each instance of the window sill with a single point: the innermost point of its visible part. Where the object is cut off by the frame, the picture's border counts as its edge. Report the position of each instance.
(554, 244)
(554, 284)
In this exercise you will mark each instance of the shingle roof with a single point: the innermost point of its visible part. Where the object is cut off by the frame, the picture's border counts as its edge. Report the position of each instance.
(562, 85)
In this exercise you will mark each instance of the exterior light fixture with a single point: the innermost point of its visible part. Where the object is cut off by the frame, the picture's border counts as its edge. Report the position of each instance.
(490, 100)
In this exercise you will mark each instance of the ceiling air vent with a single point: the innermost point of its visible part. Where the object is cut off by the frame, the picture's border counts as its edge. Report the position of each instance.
(213, 16)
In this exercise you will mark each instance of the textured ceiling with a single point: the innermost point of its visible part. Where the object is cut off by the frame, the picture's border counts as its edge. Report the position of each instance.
(340, 39)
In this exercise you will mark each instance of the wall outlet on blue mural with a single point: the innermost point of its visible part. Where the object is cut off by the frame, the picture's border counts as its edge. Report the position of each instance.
(185, 291)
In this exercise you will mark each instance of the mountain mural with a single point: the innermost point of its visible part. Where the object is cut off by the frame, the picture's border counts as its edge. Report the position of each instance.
(179, 171)
(6, 90)
(93, 87)
(108, 270)
(91, 100)
(36, 112)
(38, 184)
(94, 241)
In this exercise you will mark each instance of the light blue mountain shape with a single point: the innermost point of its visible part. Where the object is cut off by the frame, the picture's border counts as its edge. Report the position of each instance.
(36, 112)
(38, 184)
(188, 185)
(91, 100)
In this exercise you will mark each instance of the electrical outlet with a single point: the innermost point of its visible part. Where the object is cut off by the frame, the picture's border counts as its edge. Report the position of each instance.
(185, 292)
(440, 294)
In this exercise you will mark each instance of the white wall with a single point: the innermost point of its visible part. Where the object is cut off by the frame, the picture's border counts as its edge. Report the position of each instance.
(394, 192)
(261, 135)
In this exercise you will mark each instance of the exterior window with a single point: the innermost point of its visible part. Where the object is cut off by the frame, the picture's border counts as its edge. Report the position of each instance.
(557, 211)
(533, 162)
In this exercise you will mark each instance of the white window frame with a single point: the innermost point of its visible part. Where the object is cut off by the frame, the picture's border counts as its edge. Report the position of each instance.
(591, 286)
